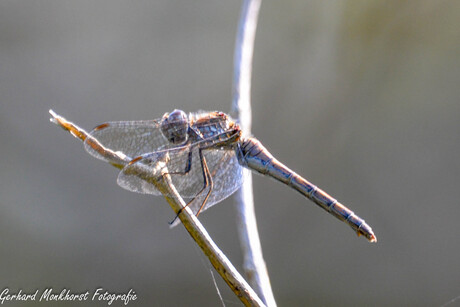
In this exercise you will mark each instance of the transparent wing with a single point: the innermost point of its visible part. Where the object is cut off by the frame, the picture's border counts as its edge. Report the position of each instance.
(223, 165)
(133, 138)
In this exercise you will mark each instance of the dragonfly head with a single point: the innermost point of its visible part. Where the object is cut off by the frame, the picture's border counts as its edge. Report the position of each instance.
(174, 127)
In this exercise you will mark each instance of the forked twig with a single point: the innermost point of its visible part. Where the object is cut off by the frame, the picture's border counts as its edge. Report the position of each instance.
(163, 183)
(254, 264)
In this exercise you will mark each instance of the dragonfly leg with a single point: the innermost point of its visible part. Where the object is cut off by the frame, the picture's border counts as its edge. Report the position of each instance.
(186, 171)
(187, 167)
(189, 162)
(207, 182)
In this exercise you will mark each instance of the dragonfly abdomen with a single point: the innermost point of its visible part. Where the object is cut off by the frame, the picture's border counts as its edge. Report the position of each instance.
(256, 157)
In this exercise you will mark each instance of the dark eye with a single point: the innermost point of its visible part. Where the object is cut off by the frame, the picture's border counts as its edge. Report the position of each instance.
(174, 127)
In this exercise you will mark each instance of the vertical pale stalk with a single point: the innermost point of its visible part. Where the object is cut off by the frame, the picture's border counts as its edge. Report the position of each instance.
(254, 264)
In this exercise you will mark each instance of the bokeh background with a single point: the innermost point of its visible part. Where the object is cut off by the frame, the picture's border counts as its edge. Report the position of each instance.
(360, 97)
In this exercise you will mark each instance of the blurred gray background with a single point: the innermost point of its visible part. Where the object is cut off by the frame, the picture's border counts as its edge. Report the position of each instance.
(360, 97)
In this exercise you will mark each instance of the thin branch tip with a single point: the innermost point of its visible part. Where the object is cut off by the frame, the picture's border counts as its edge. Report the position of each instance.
(54, 117)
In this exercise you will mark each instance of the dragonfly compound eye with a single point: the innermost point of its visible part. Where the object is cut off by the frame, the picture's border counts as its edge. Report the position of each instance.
(174, 127)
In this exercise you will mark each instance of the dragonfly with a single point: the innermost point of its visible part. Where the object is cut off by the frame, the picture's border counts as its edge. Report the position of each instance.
(204, 153)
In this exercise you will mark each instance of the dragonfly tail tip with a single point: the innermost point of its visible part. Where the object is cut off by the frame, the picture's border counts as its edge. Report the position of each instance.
(368, 235)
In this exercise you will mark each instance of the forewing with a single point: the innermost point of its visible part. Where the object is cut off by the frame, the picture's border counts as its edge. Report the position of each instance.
(133, 138)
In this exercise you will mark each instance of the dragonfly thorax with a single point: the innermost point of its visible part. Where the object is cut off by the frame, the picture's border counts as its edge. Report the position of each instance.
(174, 127)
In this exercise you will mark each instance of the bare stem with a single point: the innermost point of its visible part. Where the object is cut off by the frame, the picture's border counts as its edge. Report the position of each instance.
(220, 262)
(163, 183)
(254, 264)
